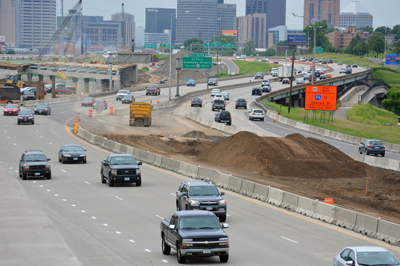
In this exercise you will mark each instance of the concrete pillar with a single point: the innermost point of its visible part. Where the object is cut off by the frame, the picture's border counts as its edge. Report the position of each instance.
(81, 86)
(117, 84)
(86, 84)
(30, 76)
(92, 87)
(68, 82)
(99, 86)
(40, 77)
(51, 77)
(75, 80)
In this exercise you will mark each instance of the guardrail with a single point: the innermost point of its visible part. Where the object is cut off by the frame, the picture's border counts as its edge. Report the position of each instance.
(358, 222)
(72, 98)
(381, 83)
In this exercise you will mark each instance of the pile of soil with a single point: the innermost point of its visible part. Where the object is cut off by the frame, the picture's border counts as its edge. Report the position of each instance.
(195, 134)
(305, 166)
(163, 71)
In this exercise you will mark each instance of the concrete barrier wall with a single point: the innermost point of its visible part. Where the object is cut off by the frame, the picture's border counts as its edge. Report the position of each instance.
(345, 218)
(306, 206)
(221, 180)
(388, 232)
(247, 188)
(260, 192)
(207, 174)
(53, 100)
(235, 184)
(188, 169)
(290, 201)
(170, 164)
(366, 225)
(324, 212)
(275, 196)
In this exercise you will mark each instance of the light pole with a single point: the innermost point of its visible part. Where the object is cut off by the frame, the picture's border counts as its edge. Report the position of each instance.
(170, 52)
(384, 55)
(315, 38)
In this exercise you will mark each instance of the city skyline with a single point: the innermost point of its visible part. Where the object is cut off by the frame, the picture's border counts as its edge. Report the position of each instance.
(108, 7)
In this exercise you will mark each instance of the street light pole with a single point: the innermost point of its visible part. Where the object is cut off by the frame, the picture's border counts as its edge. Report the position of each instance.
(384, 55)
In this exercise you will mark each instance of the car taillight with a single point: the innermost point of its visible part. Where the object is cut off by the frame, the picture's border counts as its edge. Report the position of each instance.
(230, 117)
(177, 193)
(219, 117)
(262, 114)
(224, 105)
(383, 147)
(213, 104)
(369, 146)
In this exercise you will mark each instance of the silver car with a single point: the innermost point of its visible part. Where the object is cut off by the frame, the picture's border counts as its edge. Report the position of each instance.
(256, 114)
(215, 91)
(365, 255)
(226, 95)
(265, 82)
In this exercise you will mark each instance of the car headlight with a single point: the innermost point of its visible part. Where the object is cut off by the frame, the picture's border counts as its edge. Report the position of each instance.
(48, 166)
(222, 202)
(226, 241)
(186, 241)
(114, 172)
(137, 171)
(82, 155)
(194, 202)
(67, 155)
(223, 239)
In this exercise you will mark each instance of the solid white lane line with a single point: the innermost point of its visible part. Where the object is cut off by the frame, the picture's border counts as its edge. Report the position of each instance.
(105, 224)
(87, 182)
(159, 216)
(63, 170)
(147, 250)
(131, 240)
(288, 239)
(165, 261)
(118, 198)
(118, 232)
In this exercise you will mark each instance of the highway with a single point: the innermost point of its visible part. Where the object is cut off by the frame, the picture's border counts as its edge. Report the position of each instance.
(120, 225)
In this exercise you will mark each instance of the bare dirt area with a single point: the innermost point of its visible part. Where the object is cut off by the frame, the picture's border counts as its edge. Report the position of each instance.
(304, 166)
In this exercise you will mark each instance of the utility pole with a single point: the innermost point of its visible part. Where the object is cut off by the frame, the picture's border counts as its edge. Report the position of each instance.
(82, 36)
(291, 84)
(178, 68)
(110, 59)
(62, 31)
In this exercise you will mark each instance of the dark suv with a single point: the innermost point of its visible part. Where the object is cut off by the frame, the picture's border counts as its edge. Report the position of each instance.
(201, 195)
(256, 90)
(241, 103)
(223, 117)
(34, 163)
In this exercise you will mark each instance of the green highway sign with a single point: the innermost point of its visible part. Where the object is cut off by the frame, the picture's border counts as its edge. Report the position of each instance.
(163, 45)
(196, 62)
(150, 46)
(228, 45)
(222, 51)
(197, 55)
(205, 44)
(319, 49)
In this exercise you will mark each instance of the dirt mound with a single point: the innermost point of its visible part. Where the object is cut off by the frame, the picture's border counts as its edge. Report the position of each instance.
(293, 156)
(163, 71)
(195, 134)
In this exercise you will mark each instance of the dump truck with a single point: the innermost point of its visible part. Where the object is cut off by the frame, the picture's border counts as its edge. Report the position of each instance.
(140, 114)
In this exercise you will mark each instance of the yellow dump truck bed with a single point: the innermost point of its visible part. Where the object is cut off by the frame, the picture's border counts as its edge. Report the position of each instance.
(140, 113)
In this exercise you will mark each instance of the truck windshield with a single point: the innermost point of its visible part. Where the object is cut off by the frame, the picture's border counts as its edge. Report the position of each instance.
(35, 158)
(122, 160)
(202, 222)
(203, 191)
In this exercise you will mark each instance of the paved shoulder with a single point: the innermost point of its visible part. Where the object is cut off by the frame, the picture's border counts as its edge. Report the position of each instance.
(232, 67)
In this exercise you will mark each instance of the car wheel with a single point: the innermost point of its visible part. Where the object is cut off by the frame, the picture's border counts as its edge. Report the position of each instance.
(103, 179)
(383, 154)
(235, 107)
(222, 218)
(63, 161)
(139, 183)
(84, 161)
(250, 118)
(110, 182)
(166, 250)
(359, 151)
(179, 255)
(262, 119)
(49, 176)
(59, 160)
(33, 122)
(366, 152)
(245, 107)
(224, 258)
(19, 172)
(18, 122)
(23, 176)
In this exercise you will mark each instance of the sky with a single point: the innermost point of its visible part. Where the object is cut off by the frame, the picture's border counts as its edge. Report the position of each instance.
(385, 12)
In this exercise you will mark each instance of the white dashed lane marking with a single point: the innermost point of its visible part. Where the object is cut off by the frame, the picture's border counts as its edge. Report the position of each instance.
(147, 250)
(288, 239)
(159, 216)
(87, 182)
(62, 170)
(105, 224)
(118, 198)
(118, 232)
(131, 240)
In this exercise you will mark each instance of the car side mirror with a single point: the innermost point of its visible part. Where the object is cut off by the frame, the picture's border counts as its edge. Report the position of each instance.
(105, 164)
(84, 150)
(222, 193)
(225, 225)
(171, 226)
(139, 163)
(361, 143)
(184, 193)
(212, 101)
(48, 159)
(21, 160)
(350, 262)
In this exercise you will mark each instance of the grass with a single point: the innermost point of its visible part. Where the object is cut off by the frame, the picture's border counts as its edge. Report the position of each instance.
(246, 67)
(387, 74)
(162, 56)
(365, 121)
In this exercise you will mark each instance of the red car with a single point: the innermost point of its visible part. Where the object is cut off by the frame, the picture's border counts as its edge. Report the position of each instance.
(153, 90)
(11, 109)
(88, 101)
(102, 101)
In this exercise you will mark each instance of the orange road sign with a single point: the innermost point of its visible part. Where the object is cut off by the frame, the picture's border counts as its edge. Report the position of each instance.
(321, 98)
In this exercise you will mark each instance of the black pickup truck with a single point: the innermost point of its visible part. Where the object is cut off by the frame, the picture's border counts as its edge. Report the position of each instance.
(120, 168)
(194, 233)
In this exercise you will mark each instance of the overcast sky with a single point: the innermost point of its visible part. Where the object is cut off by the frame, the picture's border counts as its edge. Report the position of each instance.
(385, 12)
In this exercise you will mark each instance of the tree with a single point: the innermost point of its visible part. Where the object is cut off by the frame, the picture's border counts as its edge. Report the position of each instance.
(392, 103)
(321, 28)
(282, 43)
(353, 43)
(374, 37)
(194, 45)
(269, 52)
(396, 29)
(1, 52)
(329, 30)
(361, 48)
(10, 52)
(250, 47)
(382, 30)
(367, 29)
(396, 47)
(190, 41)
(378, 46)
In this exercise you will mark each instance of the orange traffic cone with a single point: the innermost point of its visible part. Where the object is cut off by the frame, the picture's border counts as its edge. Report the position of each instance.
(161, 134)
(328, 201)
(274, 121)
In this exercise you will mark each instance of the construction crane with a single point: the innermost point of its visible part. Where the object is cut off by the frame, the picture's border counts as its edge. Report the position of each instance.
(75, 11)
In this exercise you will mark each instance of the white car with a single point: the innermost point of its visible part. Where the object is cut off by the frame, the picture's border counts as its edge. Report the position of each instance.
(274, 73)
(342, 70)
(302, 59)
(219, 97)
(300, 81)
(256, 114)
(215, 91)
(121, 94)
(226, 95)
(265, 82)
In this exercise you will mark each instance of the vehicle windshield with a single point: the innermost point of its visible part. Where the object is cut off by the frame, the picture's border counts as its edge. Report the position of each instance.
(35, 158)
(204, 190)
(25, 112)
(88, 99)
(212, 79)
(100, 101)
(202, 222)
(12, 106)
(191, 80)
(73, 148)
(29, 93)
(216, 90)
(241, 100)
(258, 111)
(128, 96)
(196, 99)
(41, 106)
(123, 92)
(152, 87)
(376, 258)
(122, 160)
(219, 101)
(224, 93)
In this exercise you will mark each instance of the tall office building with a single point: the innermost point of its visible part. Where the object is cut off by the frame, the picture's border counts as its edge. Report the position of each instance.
(157, 22)
(252, 27)
(130, 27)
(274, 9)
(7, 21)
(355, 15)
(226, 14)
(318, 10)
(35, 23)
(139, 36)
